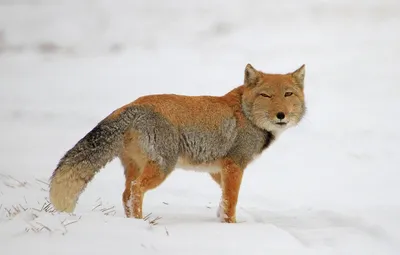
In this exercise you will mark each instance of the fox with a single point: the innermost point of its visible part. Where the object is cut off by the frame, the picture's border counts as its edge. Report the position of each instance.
(155, 134)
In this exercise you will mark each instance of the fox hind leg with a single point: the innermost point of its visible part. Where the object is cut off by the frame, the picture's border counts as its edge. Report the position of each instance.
(151, 177)
(153, 143)
(132, 172)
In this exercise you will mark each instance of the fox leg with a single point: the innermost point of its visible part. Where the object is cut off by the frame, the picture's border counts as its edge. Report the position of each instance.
(216, 177)
(151, 177)
(132, 172)
(231, 178)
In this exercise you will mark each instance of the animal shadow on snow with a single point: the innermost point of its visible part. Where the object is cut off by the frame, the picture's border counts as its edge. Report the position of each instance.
(311, 227)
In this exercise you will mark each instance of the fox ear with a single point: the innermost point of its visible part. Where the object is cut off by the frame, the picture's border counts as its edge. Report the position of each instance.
(250, 76)
(299, 74)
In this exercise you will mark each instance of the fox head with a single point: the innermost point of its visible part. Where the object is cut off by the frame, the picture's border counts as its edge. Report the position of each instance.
(274, 102)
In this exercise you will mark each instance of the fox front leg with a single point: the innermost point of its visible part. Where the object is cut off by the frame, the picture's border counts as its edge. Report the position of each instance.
(231, 178)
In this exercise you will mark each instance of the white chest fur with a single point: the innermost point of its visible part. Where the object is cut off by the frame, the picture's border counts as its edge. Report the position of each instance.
(214, 167)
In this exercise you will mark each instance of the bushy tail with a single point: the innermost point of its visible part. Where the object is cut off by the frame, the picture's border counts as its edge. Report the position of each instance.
(80, 164)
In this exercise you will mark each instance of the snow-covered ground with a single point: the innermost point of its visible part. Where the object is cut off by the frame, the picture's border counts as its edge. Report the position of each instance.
(328, 186)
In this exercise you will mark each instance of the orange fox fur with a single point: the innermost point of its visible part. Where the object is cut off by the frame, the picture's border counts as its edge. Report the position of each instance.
(155, 134)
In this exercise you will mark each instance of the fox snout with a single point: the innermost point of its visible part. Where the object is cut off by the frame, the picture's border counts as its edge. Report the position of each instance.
(280, 119)
(280, 115)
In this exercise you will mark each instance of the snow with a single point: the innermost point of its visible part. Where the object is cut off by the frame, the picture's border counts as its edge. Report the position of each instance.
(327, 186)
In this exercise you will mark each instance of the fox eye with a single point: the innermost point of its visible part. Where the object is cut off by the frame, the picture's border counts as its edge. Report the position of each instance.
(288, 94)
(265, 95)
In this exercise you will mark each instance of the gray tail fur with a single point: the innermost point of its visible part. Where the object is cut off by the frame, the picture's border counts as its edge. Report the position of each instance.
(80, 164)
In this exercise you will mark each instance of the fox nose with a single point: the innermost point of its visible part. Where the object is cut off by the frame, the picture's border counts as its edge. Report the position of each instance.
(280, 115)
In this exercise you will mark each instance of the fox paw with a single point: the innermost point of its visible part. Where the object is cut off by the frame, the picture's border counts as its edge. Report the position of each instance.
(223, 217)
(220, 211)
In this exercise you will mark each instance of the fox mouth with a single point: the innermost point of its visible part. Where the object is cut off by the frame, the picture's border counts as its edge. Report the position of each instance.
(281, 123)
